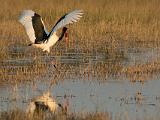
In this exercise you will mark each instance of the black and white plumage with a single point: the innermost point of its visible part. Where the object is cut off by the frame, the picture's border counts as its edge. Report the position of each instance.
(37, 32)
(43, 103)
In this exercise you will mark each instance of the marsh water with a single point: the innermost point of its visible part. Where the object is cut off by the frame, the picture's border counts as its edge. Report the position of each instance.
(118, 96)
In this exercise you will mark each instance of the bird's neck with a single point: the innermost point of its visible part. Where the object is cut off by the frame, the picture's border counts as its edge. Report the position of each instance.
(63, 32)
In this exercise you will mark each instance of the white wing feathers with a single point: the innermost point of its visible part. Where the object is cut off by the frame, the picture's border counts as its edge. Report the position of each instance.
(26, 20)
(69, 18)
(26, 16)
(44, 27)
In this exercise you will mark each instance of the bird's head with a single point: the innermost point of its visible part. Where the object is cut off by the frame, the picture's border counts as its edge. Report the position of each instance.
(65, 29)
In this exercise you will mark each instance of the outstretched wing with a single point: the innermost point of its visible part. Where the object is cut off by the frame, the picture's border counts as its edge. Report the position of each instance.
(34, 26)
(69, 18)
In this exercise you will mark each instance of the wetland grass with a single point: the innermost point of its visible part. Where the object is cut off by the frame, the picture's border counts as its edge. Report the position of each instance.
(19, 115)
(110, 28)
(102, 41)
(142, 72)
(126, 20)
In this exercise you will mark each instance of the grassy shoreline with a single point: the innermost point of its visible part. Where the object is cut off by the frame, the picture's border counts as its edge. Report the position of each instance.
(19, 115)
(121, 19)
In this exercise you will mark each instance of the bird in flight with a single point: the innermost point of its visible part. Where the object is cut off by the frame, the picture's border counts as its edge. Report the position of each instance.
(37, 32)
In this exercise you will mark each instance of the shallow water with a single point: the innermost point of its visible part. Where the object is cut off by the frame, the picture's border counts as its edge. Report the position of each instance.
(116, 97)
(120, 98)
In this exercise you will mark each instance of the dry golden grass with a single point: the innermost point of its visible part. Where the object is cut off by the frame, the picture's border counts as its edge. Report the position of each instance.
(128, 20)
(106, 27)
(19, 115)
(142, 72)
